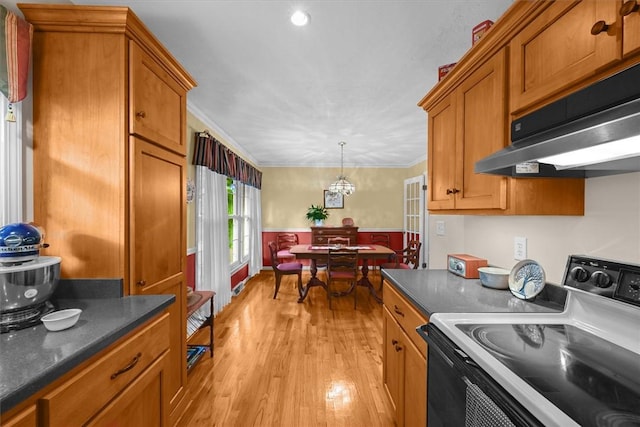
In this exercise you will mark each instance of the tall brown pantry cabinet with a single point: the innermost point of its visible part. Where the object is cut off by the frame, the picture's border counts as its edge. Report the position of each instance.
(109, 144)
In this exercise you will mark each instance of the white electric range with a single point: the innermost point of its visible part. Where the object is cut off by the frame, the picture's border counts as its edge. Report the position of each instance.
(579, 367)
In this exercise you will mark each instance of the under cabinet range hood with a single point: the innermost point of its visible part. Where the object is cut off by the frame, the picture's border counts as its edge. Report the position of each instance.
(592, 132)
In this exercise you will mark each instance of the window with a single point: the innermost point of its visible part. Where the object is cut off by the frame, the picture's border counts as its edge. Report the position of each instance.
(239, 222)
(11, 164)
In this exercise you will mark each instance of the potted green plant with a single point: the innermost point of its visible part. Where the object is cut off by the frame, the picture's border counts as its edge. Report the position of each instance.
(317, 214)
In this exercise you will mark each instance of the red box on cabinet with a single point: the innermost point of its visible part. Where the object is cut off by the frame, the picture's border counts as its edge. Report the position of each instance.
(443, 70)
(479, 30)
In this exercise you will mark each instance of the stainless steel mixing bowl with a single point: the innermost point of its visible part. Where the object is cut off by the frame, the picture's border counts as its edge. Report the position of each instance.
(28, 284)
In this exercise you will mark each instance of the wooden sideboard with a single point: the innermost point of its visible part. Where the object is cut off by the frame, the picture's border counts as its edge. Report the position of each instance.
(320, 235)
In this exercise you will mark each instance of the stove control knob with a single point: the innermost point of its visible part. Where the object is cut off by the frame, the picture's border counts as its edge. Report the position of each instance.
(601, 279)
(579, 274)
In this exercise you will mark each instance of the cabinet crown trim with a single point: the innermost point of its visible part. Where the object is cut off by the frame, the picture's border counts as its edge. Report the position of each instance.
(104, 19)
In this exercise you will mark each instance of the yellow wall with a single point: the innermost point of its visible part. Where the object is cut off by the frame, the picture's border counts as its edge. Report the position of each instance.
(377, 202)
(419, 168)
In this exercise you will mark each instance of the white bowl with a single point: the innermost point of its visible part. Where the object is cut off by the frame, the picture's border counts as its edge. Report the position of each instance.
(493, 277)
(63, 319)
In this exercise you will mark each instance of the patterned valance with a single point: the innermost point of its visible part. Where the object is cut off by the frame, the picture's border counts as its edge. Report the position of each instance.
(211, 153)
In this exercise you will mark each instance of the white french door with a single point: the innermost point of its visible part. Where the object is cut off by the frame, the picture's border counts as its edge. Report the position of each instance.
(415, 217)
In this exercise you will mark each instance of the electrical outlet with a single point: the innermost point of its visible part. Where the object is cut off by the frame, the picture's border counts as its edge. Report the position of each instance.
(519, 248)
(440, 229)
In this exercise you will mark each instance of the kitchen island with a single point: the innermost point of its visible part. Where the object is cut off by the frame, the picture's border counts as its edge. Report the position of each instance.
(33, 359)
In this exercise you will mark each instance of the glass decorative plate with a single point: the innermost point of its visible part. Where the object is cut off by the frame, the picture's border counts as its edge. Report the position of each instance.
(527, 279)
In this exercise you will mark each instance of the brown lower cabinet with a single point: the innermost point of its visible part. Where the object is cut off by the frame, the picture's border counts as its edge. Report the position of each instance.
(122, 385)
(404, 357)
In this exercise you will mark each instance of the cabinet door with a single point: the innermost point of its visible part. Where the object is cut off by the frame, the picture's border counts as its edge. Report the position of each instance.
(393, 367)
(442, 154)
(143, 403)
(415, 387)
(557, 49)
(158, 246)
(480, 131)
(157, 102)
(631, 34)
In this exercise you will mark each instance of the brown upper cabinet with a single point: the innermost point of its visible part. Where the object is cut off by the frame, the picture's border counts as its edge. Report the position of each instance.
(156, 101)
(466, 126)
(535, 53)
(470, 123)
(559, 48)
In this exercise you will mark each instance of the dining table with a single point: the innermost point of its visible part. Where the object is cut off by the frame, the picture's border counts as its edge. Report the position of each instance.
(318, 254)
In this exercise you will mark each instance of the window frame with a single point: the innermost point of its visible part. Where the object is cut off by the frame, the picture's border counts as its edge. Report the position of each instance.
(238, 215)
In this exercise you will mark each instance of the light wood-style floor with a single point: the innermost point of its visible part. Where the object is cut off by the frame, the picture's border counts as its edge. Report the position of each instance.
(280, 363)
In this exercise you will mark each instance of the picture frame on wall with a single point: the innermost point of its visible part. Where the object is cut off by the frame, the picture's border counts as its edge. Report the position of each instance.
(333, 200)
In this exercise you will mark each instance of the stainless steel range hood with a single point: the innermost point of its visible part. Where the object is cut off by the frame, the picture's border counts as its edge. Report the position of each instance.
(592, 118)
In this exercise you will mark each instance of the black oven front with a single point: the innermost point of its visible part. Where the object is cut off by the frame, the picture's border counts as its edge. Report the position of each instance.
(461, 393)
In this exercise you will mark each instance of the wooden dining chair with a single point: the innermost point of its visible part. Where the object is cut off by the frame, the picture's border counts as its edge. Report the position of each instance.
(339, 241)
(284, 242)
(284, 268)
(406, 259)
(381, 239)
(342, 265)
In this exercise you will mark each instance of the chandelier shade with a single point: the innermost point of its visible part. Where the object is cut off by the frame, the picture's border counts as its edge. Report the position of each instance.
(342, 185)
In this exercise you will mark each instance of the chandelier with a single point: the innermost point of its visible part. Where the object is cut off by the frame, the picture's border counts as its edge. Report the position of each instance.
(342, 186)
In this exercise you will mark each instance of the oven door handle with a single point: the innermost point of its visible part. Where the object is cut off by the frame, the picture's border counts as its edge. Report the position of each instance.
(465, 358)
(422, 331)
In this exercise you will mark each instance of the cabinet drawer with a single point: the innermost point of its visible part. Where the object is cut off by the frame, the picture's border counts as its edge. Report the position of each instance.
(76, 401)
(320, 235)
(407, 316)
(25, 418)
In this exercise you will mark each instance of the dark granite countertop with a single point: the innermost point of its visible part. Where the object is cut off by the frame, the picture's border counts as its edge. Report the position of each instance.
(32, 358)
(439, 291)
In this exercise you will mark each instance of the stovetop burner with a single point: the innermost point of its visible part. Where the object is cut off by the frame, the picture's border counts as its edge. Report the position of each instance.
(24, 318)
(617, 419)
(582, 374)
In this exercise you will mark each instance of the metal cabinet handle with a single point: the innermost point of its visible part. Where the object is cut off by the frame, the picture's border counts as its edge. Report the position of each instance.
(141, 114)
(452, 190)
(629, 7)
(397, 310)
(394, 342)
(599, 27)
(141, 282)
(398, 348)
(130, 366)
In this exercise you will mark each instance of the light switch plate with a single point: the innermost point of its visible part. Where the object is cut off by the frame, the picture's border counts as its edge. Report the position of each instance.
(440, 229)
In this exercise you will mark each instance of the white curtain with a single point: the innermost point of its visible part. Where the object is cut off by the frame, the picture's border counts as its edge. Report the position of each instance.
(11, 173)
(255, 243)
(212, 238)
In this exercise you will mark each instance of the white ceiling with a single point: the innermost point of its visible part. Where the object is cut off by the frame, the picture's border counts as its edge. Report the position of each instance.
(285, 96)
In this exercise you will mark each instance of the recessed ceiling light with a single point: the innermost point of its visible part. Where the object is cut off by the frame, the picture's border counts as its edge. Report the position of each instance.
(300, 18)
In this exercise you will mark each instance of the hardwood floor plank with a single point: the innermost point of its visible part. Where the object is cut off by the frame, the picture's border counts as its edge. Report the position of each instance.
(280, 363)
